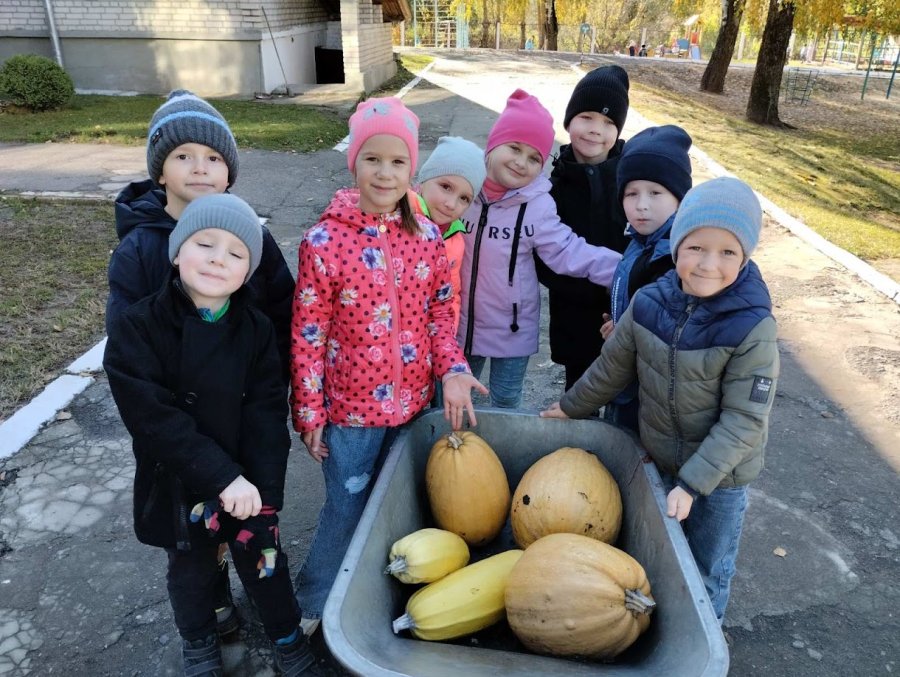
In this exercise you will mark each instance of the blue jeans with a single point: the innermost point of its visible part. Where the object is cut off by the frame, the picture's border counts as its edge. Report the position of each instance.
(713, 531)
(354, 458)
(507, 377)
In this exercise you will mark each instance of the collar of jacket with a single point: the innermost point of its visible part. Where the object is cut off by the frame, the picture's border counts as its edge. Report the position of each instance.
(749, 290)
(658, 239)
(182, 305)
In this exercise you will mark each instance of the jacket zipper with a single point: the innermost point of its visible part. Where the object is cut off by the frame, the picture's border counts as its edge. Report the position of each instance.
(673, 351)
(395, 310)
(473, 279)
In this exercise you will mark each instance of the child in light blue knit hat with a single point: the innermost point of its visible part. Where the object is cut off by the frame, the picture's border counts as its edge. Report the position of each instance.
(702, 340)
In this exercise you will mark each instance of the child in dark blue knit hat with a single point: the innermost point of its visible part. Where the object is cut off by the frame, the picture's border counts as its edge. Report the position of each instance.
(703, 341)
(191, 152)
(196, 376)
(653, 175)
(584, 189)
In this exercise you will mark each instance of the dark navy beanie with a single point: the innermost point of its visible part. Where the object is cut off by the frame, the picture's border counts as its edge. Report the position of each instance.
(604, 90)
(186, 118)
(658, 154)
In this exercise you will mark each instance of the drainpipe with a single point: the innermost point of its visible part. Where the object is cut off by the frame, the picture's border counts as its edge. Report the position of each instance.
(54, 34)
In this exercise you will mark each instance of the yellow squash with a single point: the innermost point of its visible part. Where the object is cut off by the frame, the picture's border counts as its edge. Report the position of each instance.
(426, 555)
(466, 601)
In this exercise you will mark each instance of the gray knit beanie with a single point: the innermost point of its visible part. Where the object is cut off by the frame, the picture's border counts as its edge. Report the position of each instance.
(186, 118)
(726, 203)
(224, 211)
(455, 156)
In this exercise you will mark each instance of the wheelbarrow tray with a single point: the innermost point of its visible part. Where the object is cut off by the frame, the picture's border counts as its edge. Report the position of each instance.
(684, 637)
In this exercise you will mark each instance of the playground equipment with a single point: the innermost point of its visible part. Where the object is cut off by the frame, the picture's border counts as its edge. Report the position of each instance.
(797, 85)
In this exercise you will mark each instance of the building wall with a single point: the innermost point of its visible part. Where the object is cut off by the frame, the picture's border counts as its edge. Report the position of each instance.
(366, 40)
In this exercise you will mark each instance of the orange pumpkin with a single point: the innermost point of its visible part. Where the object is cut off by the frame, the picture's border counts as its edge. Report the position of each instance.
(571, 595)
(467, 487)
(568, 491)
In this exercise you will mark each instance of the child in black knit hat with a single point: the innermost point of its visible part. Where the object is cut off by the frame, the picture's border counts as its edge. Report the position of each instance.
(584, 188)
(653, 176)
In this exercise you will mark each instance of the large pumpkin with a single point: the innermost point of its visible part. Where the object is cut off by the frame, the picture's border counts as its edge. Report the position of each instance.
(467, 487)
(567, 491)
(571, 595)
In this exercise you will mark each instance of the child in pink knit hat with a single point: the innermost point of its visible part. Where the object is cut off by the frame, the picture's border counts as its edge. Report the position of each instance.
(372, 329)
(512, 218)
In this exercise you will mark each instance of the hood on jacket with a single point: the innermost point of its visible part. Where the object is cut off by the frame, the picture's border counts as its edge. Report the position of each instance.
(142, 205)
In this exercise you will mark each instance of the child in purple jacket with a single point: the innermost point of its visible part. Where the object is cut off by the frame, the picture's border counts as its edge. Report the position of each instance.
(512, 218)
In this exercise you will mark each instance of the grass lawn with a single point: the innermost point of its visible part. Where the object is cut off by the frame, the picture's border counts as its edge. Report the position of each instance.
(839, 178)
(52, 289)
(124, 119)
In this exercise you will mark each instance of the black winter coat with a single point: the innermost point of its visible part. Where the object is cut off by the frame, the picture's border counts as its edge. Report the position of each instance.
(586, 201)
(140, 264)
(204, 402)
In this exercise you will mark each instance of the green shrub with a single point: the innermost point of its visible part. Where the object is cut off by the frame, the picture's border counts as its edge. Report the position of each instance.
(35, 82)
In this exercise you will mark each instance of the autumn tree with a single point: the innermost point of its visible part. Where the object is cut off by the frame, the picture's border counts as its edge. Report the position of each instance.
(713, 79)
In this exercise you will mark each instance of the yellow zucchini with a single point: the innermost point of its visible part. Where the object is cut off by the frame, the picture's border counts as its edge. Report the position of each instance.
(426, 555)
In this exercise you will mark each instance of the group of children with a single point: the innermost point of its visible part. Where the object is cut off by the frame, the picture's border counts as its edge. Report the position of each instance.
(405, 290)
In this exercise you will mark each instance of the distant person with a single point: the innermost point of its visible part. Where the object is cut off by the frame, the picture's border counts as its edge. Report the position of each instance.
(653, 175)
(632, 48)
(372, 329)
(702, 343)
(587, 200)
(195, 373)
(191, 152)
(643, 51)
(529, 43)
(512, 219)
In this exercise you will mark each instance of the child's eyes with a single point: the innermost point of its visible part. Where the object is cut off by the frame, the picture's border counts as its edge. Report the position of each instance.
(182, 156)
(400, 162)
(237, 255)
(215, 158)
(535, 159)
(466, 199)
(205, 245)
(729, 252)
(629, 193)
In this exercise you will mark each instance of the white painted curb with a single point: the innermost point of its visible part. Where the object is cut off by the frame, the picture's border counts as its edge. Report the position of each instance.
(18, 429)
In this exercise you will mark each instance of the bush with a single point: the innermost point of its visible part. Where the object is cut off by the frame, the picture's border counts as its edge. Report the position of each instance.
(35, 82)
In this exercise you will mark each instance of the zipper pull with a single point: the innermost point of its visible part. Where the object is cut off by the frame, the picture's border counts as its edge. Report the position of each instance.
(381, 227)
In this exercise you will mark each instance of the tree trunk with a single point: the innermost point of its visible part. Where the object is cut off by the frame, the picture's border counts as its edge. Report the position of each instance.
(552, 26)
(522, 35)
(713, 79)
(762, 107)
(486, 38)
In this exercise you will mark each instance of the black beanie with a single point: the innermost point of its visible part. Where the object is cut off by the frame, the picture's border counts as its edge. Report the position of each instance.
(658, 154)
(604, 90)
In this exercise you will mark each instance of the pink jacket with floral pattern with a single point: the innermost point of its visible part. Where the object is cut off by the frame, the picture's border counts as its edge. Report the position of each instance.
(372, 322)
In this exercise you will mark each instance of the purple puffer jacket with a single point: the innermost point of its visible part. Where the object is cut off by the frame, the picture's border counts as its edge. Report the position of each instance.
(500, 313)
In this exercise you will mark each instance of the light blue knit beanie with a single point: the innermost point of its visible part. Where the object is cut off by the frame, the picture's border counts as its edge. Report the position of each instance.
(455, 156)
(726, 203)
(225, 211)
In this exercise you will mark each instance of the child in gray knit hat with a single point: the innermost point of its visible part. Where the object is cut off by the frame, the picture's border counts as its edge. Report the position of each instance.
(702, 342)
(191, 153)
(195, 373)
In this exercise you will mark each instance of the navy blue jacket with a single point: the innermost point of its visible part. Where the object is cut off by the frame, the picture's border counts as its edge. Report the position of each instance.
(140, 264)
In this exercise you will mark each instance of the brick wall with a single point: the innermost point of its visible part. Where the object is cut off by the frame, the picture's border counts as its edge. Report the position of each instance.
(160, 17)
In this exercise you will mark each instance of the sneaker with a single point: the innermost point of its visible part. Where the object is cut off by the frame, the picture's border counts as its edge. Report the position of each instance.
(202, 657)
(227, 620)
(295, 659)
(309, 625)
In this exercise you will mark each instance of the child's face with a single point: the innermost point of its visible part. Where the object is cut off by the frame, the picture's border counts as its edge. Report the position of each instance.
(514, 165)
(709, 259)
(592, 135)
(648, 205)
(383, 169)
(213, 264)
(447, 197)
(192, 170)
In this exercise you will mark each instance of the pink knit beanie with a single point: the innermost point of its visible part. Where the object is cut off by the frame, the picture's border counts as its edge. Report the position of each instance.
(386, 115)
(524, 120)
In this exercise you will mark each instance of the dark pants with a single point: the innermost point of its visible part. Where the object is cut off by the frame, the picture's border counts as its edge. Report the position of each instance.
(575, 371)
(191, 582)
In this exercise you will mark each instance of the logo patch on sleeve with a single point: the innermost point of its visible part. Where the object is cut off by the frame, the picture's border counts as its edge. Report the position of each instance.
(762, 386)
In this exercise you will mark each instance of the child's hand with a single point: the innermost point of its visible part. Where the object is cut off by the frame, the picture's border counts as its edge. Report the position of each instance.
(679, 503)
(241, 499)
(458, 399)
(607, 327)
(554, 411)
(315, 445)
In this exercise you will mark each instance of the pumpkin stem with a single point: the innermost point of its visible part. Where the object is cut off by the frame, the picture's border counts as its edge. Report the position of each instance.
(454, 440)
(638, 602)
(405, 622)
(396, 566)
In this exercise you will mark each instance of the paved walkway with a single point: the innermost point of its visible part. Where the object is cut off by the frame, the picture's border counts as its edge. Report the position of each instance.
(79, 595)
